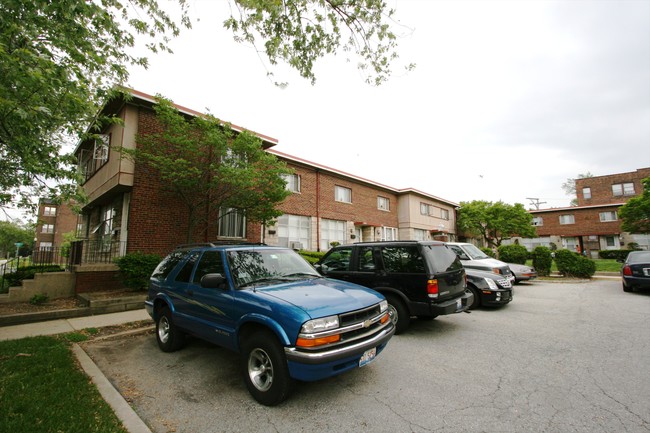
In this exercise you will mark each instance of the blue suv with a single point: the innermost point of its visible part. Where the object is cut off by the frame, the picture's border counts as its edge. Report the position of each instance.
(270, 305)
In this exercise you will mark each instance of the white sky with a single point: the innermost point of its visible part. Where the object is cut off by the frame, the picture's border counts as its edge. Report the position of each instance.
(508, 99)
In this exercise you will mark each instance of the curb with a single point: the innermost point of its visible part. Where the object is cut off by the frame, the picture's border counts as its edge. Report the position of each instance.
(129, 418)
(94, 308)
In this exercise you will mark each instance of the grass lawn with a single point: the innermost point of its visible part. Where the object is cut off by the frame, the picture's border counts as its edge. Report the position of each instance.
(43, 390)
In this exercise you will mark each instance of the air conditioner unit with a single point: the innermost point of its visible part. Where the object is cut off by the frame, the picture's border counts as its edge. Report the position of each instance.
(295, 245)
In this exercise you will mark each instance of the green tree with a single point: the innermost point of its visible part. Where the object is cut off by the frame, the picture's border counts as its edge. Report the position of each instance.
(635, 214)
(207, 165)
(299, 32)
(58, 60)
(495, 222)
(11, 233)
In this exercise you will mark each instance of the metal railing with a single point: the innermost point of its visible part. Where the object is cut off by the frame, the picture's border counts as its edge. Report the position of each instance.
(45, 259)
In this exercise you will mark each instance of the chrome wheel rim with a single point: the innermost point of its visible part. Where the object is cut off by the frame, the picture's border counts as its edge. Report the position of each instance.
(392, 313)
(163, 329)
(260, 370)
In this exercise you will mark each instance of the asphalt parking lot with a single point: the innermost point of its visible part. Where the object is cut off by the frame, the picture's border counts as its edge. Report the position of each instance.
(562, 357)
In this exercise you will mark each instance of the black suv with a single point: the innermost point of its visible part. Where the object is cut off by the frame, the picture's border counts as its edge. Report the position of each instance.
(418, 278)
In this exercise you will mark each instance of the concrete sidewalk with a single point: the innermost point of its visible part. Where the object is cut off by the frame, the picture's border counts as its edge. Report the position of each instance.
(60, 326)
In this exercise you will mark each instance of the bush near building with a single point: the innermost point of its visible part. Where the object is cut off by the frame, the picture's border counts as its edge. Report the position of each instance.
(542, 261)
(513, 254)
(571, 264)
(136, 269)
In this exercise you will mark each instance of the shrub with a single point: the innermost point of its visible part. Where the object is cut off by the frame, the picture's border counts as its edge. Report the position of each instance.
(542, 261)
(572, 264)
(613, 254)
(488, 251)
(136, 268)
(311, 256)
(39, 299)
(513, 254)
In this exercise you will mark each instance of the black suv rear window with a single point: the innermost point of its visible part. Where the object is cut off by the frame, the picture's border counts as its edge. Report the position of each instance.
(403, 260)
(441, 258)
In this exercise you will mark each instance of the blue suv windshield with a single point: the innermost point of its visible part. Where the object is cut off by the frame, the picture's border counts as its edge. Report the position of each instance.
(267, 266)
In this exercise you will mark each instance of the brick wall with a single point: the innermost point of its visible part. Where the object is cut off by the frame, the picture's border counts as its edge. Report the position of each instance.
(587, 222)
(601, 187)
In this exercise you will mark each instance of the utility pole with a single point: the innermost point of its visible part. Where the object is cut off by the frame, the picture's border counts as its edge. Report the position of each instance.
(534, 201)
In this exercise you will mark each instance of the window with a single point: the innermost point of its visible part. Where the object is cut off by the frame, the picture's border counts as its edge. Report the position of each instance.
(47, 228)
(619, 189)
(232, 223)
(610, 241)
(292, 181)
(45, 246)
(420, 235)
(444, 214)
(294, 228)
(567, 219)
(426, 209)
(383, 203)
(185, 273)
(49, 211)
(388, 234)
(91, 160)
(343, 194)
(210, 263)
(586, 193)
(339, 260)
(366, 259)
(331, 231)
(538, 221)
(608, 216)
(168, 264)
(402, 259)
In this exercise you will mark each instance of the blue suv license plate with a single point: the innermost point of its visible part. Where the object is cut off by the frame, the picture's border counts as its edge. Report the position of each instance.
(367, 356)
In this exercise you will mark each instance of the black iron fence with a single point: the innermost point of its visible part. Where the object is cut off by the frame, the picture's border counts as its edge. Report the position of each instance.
(58, 258)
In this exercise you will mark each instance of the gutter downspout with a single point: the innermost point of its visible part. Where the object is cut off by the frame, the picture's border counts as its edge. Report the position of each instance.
(318, 210)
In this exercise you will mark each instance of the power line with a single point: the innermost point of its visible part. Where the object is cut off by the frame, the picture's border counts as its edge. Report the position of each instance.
(534, 201)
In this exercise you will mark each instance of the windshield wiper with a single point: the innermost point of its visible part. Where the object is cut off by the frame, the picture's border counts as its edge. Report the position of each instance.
(262, 280)
(302, 274)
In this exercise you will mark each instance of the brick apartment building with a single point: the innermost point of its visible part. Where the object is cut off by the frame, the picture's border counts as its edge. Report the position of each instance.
(593, 224)
(54, 221)
(129, 210)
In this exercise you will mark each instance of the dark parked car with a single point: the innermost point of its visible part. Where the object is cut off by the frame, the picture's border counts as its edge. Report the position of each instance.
(418, 278)
(488, 288)
(270, 305)
(522, 272)
(636, 271)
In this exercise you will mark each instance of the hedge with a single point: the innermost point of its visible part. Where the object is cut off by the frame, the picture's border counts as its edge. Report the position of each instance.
(136, 269)
(513, 254)
(542, 261)
(571, 264)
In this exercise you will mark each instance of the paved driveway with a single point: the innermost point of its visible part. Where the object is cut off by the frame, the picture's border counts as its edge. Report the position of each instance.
(559, 358)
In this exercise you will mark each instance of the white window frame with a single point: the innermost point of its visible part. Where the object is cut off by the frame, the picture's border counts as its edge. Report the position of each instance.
(47, 228)
(389, 234)
(100, 150)
(538, 221)
(332, 231)
(342, 194)
(621, 189)
(586, 193)
(232, 223)
(444, 214)
(567, 219)
(294, 228)
(426, 209)
(383, 203)
(608, 216)
(420, 235)
(49, 211)
(292, 182)
(45, 246)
